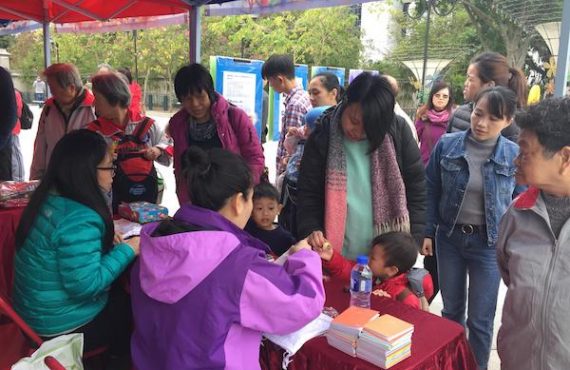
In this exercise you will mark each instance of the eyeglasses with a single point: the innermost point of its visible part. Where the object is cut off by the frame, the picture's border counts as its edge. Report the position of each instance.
(113, 169)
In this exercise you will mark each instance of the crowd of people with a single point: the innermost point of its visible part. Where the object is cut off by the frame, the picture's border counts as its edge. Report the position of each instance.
(355, 178)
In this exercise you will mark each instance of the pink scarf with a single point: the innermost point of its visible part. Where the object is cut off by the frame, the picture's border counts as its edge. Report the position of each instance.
(389, 202)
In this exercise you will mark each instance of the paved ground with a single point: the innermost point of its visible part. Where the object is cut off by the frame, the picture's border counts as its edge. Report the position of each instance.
(169, 200)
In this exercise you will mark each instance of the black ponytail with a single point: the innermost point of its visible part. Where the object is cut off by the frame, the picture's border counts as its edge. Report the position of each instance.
(214, 176)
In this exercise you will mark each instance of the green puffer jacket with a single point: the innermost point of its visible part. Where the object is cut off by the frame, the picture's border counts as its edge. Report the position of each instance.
(61, 275)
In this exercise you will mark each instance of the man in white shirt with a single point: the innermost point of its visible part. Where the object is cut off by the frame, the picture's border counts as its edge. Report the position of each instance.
(39, 90)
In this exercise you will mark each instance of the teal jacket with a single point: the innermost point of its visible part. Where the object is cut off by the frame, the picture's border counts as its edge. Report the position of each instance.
(61, 275)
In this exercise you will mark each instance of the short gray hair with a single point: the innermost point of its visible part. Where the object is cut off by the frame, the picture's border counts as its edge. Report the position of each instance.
(65, 74)
(114, 87)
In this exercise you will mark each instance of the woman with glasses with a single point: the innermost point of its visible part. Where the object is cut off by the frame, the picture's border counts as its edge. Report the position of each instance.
(432, 118)
(68, 256)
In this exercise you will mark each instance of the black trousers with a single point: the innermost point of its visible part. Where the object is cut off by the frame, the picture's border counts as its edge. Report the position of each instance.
(111, 328)
(6, 162)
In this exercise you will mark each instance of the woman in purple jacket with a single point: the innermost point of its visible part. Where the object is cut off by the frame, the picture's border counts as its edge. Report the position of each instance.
(207, 120)
(203, 291)
(432, 118)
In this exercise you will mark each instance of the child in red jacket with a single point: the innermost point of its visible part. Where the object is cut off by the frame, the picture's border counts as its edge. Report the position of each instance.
(391, 260)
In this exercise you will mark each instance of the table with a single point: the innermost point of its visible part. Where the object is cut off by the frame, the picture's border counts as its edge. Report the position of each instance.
(9, 219)
(437, 343)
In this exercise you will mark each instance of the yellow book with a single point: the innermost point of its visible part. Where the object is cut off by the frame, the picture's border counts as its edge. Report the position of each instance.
(388, 327)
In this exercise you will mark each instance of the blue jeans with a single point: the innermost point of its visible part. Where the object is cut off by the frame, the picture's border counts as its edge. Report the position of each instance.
(458, 255)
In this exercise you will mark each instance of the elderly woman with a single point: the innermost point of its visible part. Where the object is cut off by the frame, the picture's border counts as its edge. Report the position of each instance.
(136, 143)
(208, 121)
(68, 255)
(70, 108)
(361, 173)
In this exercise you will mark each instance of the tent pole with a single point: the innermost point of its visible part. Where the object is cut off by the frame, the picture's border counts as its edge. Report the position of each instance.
(195, 28)
(47, 45)
(562, 62)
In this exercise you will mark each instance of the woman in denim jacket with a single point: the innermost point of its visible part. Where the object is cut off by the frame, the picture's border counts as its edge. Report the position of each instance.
(470, 182)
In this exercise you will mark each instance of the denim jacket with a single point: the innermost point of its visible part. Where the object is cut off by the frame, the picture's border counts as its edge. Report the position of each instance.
(447, 177)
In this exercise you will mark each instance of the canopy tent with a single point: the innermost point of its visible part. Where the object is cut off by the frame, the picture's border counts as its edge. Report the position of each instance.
(70, 11)
(236, 7)
(104, 11)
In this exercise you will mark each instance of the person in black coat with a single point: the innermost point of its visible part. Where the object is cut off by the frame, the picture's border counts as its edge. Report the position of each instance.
(489, 69)
(8, 118)
(369, 103)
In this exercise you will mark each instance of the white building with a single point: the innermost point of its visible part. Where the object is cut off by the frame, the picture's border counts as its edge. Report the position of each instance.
(376, 25)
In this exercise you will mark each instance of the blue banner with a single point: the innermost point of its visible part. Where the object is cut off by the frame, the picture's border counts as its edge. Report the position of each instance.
(240, 82)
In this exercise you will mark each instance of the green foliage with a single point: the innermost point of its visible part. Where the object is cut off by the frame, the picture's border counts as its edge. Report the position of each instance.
(449, 37)
(6, 41)
(27, 55)
(327, 36)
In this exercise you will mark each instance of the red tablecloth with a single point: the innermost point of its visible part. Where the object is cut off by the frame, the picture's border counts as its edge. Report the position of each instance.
(9, 219)
(437, 343)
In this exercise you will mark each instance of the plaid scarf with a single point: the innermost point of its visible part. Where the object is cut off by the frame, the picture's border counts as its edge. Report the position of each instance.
(389, 202)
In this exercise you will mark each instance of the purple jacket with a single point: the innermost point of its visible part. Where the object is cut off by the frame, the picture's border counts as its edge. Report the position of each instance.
(236, 132)
(202, 298)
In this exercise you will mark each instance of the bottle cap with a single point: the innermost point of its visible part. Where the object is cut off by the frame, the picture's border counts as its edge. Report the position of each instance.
(362, 260)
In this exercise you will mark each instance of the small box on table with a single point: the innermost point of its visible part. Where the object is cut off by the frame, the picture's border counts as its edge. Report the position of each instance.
(142, 212)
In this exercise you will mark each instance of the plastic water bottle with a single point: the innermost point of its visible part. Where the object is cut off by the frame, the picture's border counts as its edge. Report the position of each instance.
(361, 283)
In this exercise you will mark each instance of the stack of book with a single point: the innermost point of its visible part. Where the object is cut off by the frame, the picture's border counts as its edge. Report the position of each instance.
(346, 328)
(385, 341)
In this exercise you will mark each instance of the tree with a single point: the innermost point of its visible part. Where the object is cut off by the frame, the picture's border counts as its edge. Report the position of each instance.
(6, 41)
(497, 31)
(322, 36)
(328, 36)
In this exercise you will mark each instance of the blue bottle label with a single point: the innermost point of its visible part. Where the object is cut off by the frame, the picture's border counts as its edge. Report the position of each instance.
(361, 285)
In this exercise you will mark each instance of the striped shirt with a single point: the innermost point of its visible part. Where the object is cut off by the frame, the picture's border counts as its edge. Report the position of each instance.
(297, 104)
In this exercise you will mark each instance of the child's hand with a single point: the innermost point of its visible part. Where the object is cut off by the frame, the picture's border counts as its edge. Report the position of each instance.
(427, 247)
(381, 293)
(325, 252)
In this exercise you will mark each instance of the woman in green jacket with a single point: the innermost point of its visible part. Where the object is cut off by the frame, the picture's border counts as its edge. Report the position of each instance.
(68, 255)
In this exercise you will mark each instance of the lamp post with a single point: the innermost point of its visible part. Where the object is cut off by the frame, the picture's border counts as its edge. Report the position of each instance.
(416, 9)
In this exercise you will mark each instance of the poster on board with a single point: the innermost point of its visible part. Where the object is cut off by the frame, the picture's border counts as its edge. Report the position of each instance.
(240, 82)
(337, 71)
(277, 102)
(352, 73)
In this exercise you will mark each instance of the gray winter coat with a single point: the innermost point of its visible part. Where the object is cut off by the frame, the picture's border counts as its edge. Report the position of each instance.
(535, 265)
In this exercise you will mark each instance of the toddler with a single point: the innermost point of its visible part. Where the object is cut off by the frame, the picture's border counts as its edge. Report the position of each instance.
(391, 260)
(261, 224)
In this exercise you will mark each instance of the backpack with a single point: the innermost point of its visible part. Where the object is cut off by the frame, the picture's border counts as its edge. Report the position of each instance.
(27, 117)
(418, 280)
(135, 177)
